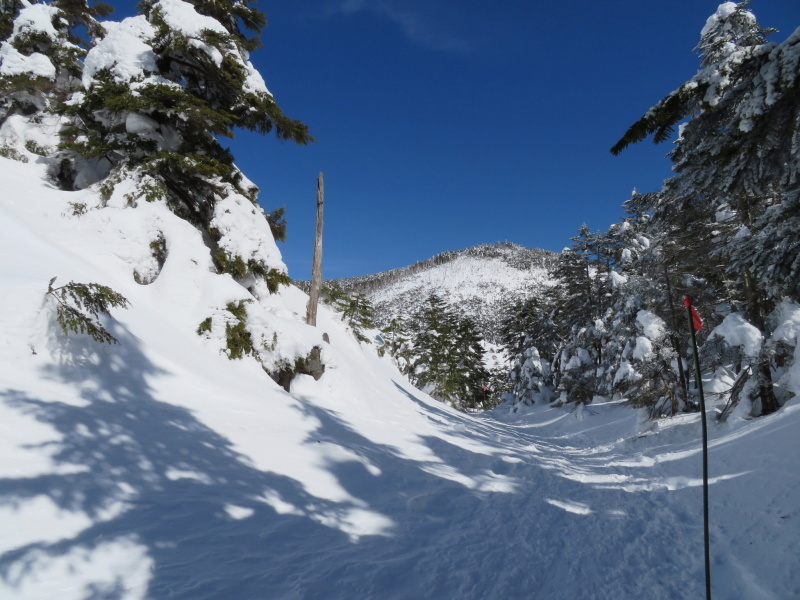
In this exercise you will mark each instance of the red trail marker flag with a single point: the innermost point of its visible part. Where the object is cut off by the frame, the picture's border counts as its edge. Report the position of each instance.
(697, 322)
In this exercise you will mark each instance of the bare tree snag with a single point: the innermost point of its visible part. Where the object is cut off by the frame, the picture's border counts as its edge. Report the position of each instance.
(316, 271)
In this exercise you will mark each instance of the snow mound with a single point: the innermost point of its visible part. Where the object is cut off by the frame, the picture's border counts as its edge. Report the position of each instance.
(736, 331)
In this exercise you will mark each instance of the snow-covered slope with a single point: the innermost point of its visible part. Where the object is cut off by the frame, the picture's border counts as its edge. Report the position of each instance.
(482, 282)
(158, 468)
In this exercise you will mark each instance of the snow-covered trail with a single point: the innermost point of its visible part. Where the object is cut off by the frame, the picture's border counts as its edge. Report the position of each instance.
(495, 510)
(598, 514)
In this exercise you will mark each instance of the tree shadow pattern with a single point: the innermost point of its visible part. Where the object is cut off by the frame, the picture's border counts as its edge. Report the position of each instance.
(447, 540)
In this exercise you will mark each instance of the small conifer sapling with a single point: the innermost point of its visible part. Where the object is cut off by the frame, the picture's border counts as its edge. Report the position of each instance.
(80, 306)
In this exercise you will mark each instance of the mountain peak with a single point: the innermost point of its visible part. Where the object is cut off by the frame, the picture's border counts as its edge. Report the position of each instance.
(482, 282)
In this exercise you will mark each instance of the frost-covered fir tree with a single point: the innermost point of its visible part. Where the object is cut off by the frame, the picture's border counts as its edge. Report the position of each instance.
(583, 272)
(651, 276)
(397, 342)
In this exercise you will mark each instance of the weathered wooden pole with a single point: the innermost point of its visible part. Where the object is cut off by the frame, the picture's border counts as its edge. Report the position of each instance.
(316, 271)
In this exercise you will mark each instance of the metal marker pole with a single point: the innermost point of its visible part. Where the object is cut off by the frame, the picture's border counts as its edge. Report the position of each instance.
(688, 302)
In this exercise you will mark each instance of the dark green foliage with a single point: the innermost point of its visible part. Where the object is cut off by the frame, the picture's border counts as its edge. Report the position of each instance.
(205, 326)
(356, 309)
(275, 278)
(9, 152)
(80, 306)
(181, 114)
(724, 230)
(81, 14)
(238, 309)
(396, 337)
(233, 15)
(78, 208)
(333, 294)
(239, 270)
(468, 379)
(435, 324)
(238, 337)
(35, 148)
(151, 190)
(233, 265)
(239, 340)
(738, 31)
(159, 249)
(357, 312)
(446, 357)
(531, 324)
(725, 211)
(277, 223)
(9, 10)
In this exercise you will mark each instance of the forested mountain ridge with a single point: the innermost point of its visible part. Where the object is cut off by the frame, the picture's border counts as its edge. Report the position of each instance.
(482, 282)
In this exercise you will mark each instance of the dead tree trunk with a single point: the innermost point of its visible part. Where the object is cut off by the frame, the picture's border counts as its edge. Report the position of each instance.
(316, 271)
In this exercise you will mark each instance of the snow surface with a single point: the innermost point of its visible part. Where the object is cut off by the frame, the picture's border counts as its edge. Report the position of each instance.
(122, 51)
(724, 10)
(736, 331)
(13, 63)
(157, 468)
(36, 18)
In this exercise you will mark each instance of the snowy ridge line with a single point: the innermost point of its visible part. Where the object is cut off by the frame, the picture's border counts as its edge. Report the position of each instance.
(512, 254)
(482, 282)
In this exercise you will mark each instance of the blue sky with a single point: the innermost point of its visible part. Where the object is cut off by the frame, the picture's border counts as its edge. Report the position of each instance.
(443, 124)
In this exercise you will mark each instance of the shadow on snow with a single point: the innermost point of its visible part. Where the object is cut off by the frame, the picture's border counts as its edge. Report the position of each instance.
(447, 541)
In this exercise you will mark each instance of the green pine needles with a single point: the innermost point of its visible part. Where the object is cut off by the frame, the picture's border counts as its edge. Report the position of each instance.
(80, 306)
(236, 267)
(238, 339)
(356, 310)
(240, 342)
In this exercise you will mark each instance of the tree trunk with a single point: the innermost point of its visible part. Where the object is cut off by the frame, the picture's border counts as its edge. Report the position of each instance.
(316, 272)
(675, 340)
(756, 312)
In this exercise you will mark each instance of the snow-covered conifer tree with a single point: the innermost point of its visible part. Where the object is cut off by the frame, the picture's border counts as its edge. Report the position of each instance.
(532, 341)
(468, 377)
(160, 90)
(357, 312)
(434, 324)
(738, 180)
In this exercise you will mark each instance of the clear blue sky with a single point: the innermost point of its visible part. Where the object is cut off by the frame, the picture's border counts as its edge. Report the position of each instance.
(443, 124)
